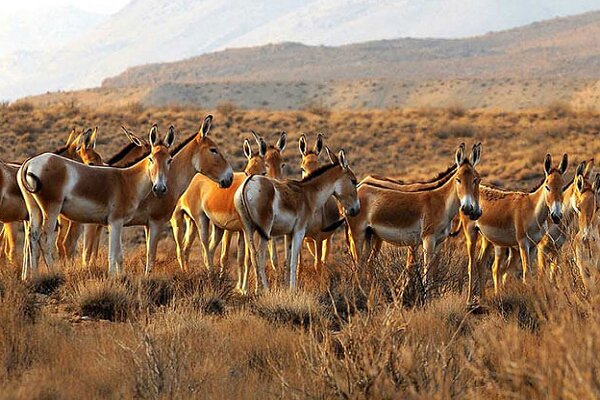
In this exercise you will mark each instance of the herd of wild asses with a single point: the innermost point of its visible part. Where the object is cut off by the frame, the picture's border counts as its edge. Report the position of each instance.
(72, 192)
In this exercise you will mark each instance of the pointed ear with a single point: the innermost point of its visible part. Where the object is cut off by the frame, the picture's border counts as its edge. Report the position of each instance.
(580, 168)
(282, 141)
(476, 154)
(256, 137)
(302, 145)
(94, 137)
(596, 185)
(170, 137)
(548, 164)
(71, 137)
(343, 160)
(247, 149)
(564, 163)
(319, 144)
(579, 182)
(132, 138)
(83, 140)
(332, 157)
(262, 147)
(206, 124)
(460, 155)
(589, 168)
(153, 135)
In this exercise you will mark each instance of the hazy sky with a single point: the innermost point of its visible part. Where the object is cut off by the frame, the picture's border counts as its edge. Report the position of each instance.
(99, 6)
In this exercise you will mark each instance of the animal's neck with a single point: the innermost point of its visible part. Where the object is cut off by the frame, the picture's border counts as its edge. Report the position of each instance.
(182, 169)
(538, 199)
(318, 189)
(138, 177)
(448, 192)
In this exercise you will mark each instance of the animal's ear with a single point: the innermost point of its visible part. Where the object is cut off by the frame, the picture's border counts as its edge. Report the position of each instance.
(476, 154)
(564, 163)
(319, 144)
(596, 185)
(206, 124)
(580, 168)
(262, 147)
(256, 137)
(589, 168)
(579, 182)
(282, 141)
(93, 137)
(170, 137)
(153, 135)
(460, 155)
(343, 160)
(132, 138)
(302, 145)
(83, 141)
(332, 157)
(71, 137)
(548, 164)
(247, 149)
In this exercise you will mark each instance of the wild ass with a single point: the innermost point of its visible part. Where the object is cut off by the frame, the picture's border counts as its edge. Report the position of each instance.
(53, 185)
(420, 217)
(514, 219)
(275, 208)
(203, 202)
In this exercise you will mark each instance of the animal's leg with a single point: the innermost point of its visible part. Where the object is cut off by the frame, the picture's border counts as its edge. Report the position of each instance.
(178, 227)
(215, 240)
(152, 236)
(203, 228)
(296, 242)
(524, 251)
(225, 248)
(115, 252)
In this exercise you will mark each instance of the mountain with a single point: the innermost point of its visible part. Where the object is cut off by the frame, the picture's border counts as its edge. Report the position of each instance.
(150, 31)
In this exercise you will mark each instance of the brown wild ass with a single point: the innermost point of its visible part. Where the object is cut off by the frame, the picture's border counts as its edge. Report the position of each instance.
(514, 219)
(204, 202)
(323, 222)
(53, 185)
(275, 208)
(198, 154)
(133, 151)
(419, 217)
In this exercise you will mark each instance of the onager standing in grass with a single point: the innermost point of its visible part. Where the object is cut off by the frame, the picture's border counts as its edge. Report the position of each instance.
(413, 218)
(275, 208)
(198, 154)
(514, 219)
(323, 222)
(203, 202)
(578, 191)
(53, 185)
(137, 149)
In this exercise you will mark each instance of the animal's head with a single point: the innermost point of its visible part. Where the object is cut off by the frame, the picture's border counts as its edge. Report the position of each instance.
(159, 159)
(255, 164)
(310, 157)
(553, 186)
(209, 160)
(86, 148)
(467, 181)
(585, 201)
(345, 187)
(274, 162)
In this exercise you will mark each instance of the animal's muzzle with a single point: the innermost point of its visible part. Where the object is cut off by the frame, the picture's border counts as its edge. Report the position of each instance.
(159, 190)
(556, 217)
(353, 211)
(226, 182)
(472, 212)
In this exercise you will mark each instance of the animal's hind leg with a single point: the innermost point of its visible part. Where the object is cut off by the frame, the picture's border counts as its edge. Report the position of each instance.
(225, 248)
(204, 229)
(273, 256)
(9, 234)
(215, 240)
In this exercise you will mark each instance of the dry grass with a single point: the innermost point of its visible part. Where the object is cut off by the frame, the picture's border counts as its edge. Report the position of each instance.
(349, 331)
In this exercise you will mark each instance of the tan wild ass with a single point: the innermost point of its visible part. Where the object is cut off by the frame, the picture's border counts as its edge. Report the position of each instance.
(419, 217)
(514, 219)
(53, 185)
(275, 208)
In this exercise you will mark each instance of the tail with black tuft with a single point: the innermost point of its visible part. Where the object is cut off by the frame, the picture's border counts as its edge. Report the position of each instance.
(31, 182)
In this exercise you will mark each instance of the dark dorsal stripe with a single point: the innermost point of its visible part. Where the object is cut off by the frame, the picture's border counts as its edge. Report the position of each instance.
(121, 154)
(181, 145)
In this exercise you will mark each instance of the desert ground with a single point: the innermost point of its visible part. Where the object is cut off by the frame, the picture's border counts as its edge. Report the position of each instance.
(350, 331)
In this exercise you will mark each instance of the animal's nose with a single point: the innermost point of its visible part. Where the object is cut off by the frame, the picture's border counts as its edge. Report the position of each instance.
(476, 214)
(354, 211)
(226, 182)
(467, 209)
(555, 217)
(159, 189)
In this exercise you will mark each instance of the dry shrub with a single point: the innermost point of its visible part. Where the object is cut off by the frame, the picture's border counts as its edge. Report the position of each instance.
(456, 111)
(226, 109)
(22, 106)
(456, 130)
(288, 307)
(107, 299)
(46, 283)
(318, 108)
(206, 291)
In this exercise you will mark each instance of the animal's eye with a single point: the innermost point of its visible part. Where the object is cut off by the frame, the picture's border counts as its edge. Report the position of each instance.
(476, 180)
(214, 151)
(458, 180)
(169, 161)
(283, 165)
(151, 160)
(547, 188)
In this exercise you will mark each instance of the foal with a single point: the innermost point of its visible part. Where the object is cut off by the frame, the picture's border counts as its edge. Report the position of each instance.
(53, 185)
(276, 208)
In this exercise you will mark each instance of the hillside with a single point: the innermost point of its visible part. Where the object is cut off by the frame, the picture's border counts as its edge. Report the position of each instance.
(149, 31)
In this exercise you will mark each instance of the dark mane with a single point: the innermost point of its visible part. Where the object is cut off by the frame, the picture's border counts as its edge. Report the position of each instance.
(121, 154)
(440, 176)
(439, 180)
(60, 150)
(181, 145)
(319, 171)
(569, 184)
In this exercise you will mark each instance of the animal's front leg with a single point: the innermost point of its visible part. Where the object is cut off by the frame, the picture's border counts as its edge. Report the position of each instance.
(296, 242)
(429, 258)
(524, 251)
(115, 254)
(152, 237)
